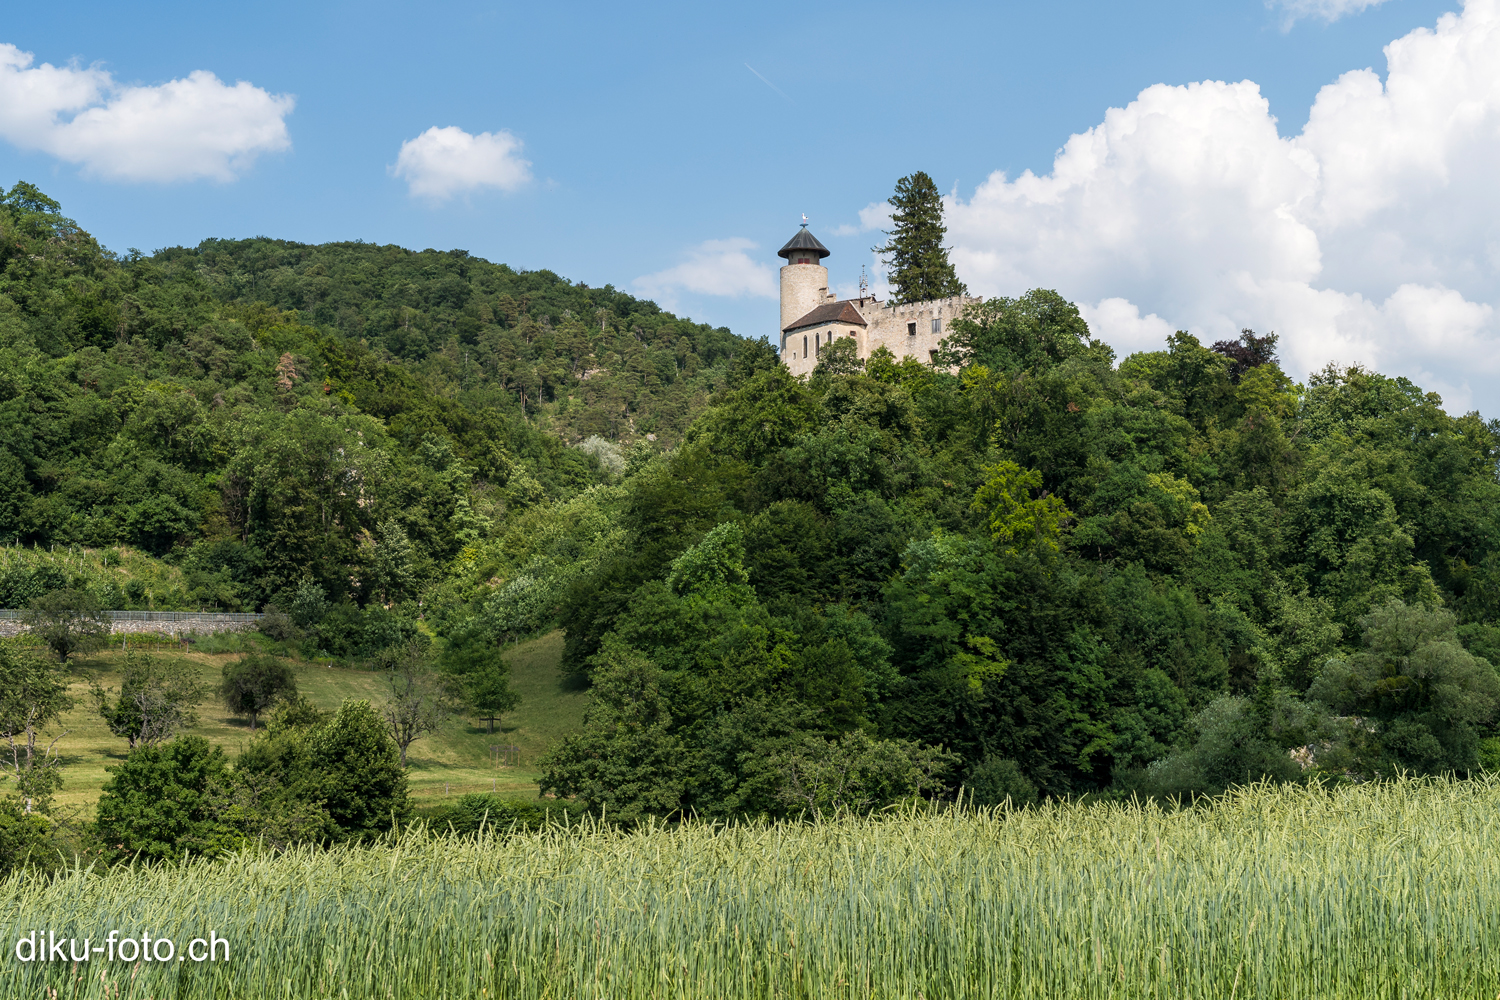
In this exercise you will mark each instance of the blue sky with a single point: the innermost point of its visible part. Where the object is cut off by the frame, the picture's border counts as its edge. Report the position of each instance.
(630, 143)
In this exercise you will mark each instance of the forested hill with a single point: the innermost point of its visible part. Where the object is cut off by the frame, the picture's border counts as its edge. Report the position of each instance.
(1030, 568)
(1041, 569)
(256, 409)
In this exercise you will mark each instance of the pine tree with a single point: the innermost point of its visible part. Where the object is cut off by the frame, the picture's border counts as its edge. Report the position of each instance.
(920, 269)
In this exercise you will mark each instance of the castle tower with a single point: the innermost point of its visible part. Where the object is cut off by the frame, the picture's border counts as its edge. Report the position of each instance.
(804, 280)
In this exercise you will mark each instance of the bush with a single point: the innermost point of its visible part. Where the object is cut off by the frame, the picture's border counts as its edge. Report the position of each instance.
(24, 841)
(360, 776)
(254, 683)
(158, 804)
(995, 781)
(277, 625)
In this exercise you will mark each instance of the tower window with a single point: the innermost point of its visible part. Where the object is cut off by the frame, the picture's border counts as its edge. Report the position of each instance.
(937, 326)
(911, 329)
(804, 346)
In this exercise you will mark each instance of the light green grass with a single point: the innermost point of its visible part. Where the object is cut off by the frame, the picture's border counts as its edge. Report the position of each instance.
(1388, 891)
(452, 762)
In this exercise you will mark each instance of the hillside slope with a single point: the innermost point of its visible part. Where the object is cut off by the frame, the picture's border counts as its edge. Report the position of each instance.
(455, 761)
(259, 412)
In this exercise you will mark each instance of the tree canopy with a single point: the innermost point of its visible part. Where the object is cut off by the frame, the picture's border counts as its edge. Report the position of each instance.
(918, 261)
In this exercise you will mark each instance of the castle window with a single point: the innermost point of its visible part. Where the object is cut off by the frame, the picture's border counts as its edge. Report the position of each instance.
(911, 329)
(937, 326)
(804, 346)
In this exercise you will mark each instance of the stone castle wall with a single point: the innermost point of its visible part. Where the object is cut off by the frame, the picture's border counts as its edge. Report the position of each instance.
(909, 330)
(913, 329)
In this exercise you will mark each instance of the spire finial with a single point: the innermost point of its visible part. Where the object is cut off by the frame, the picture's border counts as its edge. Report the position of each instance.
(804, 220)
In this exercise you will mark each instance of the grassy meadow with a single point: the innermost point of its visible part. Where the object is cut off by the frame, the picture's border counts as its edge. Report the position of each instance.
(1389, 891)
(452, 762)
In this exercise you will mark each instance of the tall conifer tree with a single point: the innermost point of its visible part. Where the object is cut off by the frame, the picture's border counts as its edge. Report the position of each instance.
(920, 269)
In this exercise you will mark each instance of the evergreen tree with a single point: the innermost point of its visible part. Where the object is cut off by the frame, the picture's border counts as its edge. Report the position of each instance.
(920, 269)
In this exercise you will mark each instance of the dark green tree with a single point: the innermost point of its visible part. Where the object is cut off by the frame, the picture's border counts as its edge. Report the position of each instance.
(856, 774)
(254, 683)
(158, 804)
(996, 781)
(1424, 698)
(24, 839)
(360, 775)
(484, 674)
(68, 621)
(918, 261)
(626, 760)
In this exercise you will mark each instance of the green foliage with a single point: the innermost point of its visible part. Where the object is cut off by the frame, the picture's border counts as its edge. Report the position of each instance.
(1034, 332)
(1231, 748)
(481, 814)
(25, 840)
(626, 761)
(156, 700)
(995, 781)
(360, 775)
(33, 694)
(856, 774)
(158, 804)
(67, 621)
(1423, 700)
(918, 261)
(1015, 516)
(260, 412)
(254, 683)
(483, 673)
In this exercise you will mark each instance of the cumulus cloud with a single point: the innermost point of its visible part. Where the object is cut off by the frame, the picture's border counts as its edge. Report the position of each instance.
(714, 267)
(1371, 237)
(876, 215)
(1327, 11)
(184, 129)
(443, 162)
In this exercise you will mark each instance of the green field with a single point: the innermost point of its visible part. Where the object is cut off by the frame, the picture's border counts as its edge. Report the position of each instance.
(1281, 893)
(454, 761)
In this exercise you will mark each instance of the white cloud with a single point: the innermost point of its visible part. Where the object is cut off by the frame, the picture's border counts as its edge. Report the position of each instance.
(443, 162)
(1369, 238)
(714, 267)
(876, 215)
(180, 130)
(1325, 10)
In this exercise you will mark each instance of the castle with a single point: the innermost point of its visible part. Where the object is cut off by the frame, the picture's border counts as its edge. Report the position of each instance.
(812, 316)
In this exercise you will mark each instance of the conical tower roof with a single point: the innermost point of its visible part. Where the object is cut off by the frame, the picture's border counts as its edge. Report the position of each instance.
(804, 240)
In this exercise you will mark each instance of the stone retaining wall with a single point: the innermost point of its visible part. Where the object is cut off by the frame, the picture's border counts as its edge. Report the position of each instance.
(170, 624)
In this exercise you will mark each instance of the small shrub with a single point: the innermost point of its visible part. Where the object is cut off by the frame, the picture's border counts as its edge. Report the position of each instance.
(995, 781)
